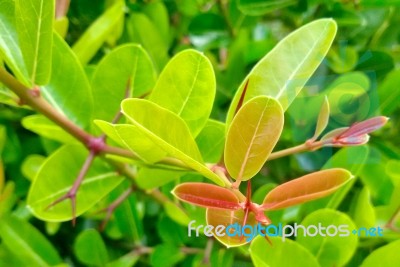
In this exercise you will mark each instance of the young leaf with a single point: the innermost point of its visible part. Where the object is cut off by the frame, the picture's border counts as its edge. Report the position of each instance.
(69, 90)
(64, 165)
(93, 38)
(207, 195)
(217, 217)
(306, 188)
(251, 137)
(323, 119)
(299, 55)
(10, 50)
(34, 21)
(134, 64)
(173, 138)
(189, 93)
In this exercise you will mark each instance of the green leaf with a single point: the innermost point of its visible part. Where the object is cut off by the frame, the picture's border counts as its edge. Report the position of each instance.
(34, 23)
(134, 139)
(27, 243)
(31, 166)
(206, 195)
(69, 90)
(323, 119)
(364, 213)
(332, 249)
(90, 249)
(133, 64)
(94, 37)
(9, 45)
(176, 213)
(308, 187)
(144, 31)
(61, 26)
(298, 56)
(387, 255)
(56, 177)
(281, 253)
(388, 94)
(175, 139)
(128, 260)
(343, 60)
(166, 255)
(189, 93)
(261, 7)
(211, 141)
(42, 126)
(251, 137)
(152, 178)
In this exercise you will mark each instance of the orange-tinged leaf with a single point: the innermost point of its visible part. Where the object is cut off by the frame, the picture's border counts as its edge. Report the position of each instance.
(206, 195)
(306, 188)
(234, 218)
(251, 137)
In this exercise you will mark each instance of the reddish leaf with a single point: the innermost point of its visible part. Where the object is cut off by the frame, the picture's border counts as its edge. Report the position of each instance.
(306, 188)
(206, 195)
(364, 127)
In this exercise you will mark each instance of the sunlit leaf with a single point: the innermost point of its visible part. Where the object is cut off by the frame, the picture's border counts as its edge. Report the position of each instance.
(297, 56)
(174, 138)
(336, 247)
(94, 37)
(206, 195)
(56, 177)
(306, 188)
(280, 253)
(189, 93)
(251, 137)
(34, 21)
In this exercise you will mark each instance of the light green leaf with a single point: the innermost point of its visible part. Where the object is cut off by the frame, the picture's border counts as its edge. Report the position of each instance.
(94, 37)
(151, 178)
(42, 126)
(34, 23)
(211, 141)
(128, 260)
(142, 30)
(343, 59)
(134, 139)
(56, 177)
(298, 56)
(389, 96)
(9, 45)
(90, 249)
(26, 242)
(61, 26)
(252, 135)
(281, 253)
(158, 14)
(332, 249)
(173, 138)
(176, 213)
(387, 255)
(69, 90)
(31, 166)
(187, 87)
(364, 213)
(109, 82)
(261, 7)
(323, 118)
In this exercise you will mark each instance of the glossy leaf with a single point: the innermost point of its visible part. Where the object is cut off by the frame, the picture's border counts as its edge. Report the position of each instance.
(344, 245)
(306, 188)
(68, 90)
(175, 139)
(384, 256)
(189, 94)
(110, 83)
(312, 42)
(94, 37)
(90, 249)
(10, 50)
(211, 141)
(34, 23)
(217, 217)
(251, 137)
(207, 195)
(281, 253)
(388, 95)
(323, 118)
(261, 7)
(42, 126)
(134, 139)
(26, 242)
(56, 177)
